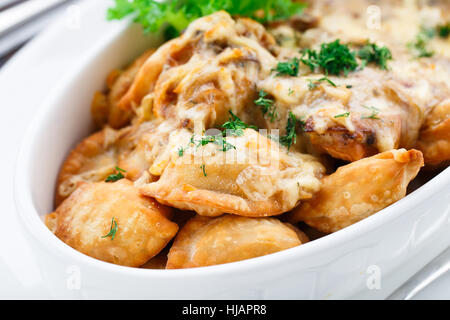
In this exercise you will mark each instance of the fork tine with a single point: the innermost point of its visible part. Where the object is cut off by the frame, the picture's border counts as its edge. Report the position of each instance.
(17, 15)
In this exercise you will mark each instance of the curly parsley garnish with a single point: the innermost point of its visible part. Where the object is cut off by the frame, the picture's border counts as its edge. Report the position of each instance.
(371, 53)
(235, 126)
(289, 68)
(117, 176)
(333, 58)
(112, 230)
(267, 105)
(312, 84)
(153, 15)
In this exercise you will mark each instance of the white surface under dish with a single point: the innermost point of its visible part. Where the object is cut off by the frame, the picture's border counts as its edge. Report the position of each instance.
(337, 266)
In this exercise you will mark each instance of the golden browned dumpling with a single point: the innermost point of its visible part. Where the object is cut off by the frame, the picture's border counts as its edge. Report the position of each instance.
(133, 149)
(104, 108)
(113, 222)
(248, 175)
(93, 160)
(359, 189)
(434, 140)
(141, 145)
(210, 241)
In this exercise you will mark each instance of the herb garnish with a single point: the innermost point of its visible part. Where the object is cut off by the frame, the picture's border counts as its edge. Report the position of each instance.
(312, 84)
(203, 167)
(267, 105)
(291, 136)
(117, 176)
(419, 47)
(373, 115)
(180, 151)
(334, 58)
(152, 15)
(218, 139)
(206, 140)
(290, 91)
(373, 53)
(342, 115)
(444, 30)
(112, 229)
(289, 68)
(235, 126)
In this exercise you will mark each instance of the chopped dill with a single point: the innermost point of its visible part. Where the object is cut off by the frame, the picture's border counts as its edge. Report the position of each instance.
(289, 68)
(312, 84)
(112, 229)
(267, 105)
(117, 176)
(371, 53)
(342, 115)
(373, 115)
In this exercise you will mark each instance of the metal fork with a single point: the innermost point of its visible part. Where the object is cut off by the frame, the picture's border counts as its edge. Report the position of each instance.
(430, 273)
(21, 20)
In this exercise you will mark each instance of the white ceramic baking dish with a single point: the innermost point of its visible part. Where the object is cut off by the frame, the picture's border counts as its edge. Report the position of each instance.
(340, 265)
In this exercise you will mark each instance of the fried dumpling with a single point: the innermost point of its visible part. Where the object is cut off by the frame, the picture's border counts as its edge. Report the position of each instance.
(113, 222)
(207, 241)
(248, 175)
(434, 140)
(104, 107)
(93, 160)
(358, 190)
(133, 149)
(140, 146)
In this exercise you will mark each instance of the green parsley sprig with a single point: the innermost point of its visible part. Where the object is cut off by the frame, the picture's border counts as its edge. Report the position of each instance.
(153, 15)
